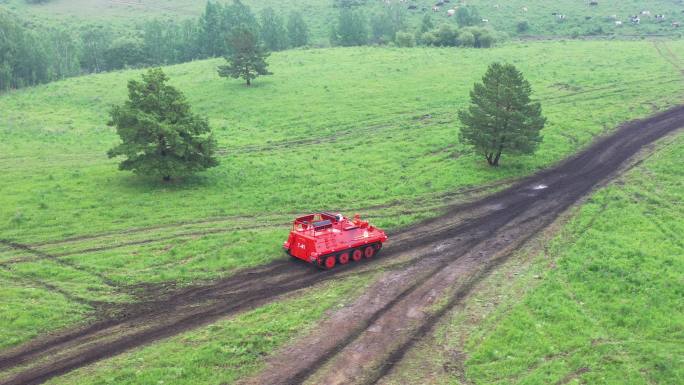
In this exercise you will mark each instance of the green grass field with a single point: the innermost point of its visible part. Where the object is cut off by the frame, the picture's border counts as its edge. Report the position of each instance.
(224, 351)
(580, 19)
(610, 309)
(599, 303)
(332, 129)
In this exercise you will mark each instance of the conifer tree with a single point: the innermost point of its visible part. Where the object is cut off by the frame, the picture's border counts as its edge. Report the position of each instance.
(501, 117)
(247, 58)
(160, 135)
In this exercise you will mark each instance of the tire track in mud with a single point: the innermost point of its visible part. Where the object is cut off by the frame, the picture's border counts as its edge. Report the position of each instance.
(367, 353)
(419, 205)
(425, 247)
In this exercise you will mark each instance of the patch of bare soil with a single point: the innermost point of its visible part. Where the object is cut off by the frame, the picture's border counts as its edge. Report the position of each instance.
(429, 267)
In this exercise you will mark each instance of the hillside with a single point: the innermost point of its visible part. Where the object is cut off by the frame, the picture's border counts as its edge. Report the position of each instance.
(319, 133)
(580, 17)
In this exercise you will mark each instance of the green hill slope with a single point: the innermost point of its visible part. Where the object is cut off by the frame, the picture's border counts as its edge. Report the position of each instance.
(338, 129)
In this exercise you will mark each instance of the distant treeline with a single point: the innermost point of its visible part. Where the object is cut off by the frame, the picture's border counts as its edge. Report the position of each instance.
(391, 26)
(32, 54)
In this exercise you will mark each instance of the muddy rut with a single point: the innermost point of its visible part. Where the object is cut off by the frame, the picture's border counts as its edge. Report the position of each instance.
(427, 269)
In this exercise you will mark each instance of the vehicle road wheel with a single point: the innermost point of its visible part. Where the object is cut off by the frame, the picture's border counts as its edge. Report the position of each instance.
(329, 262)
(369, 252)
(357, 255)
(344, 258)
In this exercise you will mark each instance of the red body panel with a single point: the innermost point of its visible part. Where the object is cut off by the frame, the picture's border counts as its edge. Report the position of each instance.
(315, 237)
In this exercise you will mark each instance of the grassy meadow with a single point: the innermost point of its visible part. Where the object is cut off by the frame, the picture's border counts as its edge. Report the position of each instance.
(610, 310)
(599, 304)
(332, 129)
(581, 18)
(224, 351)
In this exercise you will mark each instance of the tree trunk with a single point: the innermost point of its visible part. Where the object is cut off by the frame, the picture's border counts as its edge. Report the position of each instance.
(249, 82)
(496, 159)
(498, 153)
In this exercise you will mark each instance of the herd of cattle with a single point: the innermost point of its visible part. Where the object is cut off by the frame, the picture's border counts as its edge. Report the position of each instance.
(633, 19)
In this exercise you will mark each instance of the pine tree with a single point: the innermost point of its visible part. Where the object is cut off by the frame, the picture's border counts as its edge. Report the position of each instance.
(297, 30)
(247, 58)
(160, 135)
(501, 116)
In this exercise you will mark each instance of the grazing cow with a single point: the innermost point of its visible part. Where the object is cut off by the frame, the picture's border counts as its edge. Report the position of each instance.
(646, 13)
(593, 2)
(485, 20)
(635, 19)
(439, 3)
(660, 18)
(412, 6)
(560, 17)
(675, 24)
(524, 9)
(618, 23)
(435, 9)
(451, 12)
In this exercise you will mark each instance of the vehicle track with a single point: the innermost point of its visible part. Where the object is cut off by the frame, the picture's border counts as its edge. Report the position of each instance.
(666, 53)
(369, 338)
(446, 255)
(110, 242)
(42, 255)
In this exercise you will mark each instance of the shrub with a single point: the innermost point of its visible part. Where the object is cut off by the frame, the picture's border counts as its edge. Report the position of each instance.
(446, 36)
(466, 39)
(428, 38)
(405, 39)
(482, 37)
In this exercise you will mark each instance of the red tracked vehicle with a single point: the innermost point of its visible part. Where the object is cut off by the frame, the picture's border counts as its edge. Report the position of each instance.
(326, 239)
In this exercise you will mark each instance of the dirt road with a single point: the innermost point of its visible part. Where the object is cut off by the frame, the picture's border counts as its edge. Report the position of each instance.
(429, 268)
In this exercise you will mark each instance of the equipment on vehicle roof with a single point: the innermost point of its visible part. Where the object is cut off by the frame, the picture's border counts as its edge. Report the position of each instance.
(327, 239)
